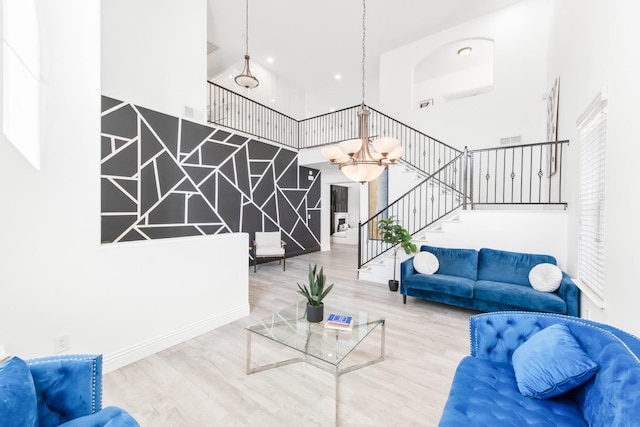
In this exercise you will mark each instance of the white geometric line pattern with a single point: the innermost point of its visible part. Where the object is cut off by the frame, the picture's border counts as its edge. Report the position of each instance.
(164, 177)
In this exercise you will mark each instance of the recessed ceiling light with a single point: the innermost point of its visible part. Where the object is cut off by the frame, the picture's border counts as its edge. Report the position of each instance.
(270, 60)
(338, 76)
(332, 110)
(465, 51)
(273, 100)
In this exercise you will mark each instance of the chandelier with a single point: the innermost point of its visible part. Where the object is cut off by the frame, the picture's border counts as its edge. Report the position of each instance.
(363, 159)
(246, 79)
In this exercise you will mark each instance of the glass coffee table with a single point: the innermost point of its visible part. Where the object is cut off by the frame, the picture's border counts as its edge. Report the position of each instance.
(322, 347)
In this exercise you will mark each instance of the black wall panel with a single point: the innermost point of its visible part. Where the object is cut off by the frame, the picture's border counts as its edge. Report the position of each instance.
(165, 177)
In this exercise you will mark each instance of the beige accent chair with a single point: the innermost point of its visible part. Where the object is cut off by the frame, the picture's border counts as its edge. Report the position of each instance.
(268, 244)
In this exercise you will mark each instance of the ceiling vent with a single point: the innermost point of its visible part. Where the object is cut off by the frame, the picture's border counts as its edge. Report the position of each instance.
(211, 48)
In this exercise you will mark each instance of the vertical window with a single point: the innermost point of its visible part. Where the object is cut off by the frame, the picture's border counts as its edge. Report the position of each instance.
(20, 83)
(593, 143)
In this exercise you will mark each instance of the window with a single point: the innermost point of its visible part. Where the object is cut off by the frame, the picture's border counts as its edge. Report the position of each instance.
(593, 142)
(20, 82)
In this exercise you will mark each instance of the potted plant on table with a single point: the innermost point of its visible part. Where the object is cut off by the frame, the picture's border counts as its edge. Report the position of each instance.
(398, 237)
(315, 293)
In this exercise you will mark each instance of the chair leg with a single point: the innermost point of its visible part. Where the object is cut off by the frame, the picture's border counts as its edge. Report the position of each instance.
(255, 263)
(284, 263)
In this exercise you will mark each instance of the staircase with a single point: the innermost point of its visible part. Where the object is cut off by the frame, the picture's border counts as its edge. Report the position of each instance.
(444, 181)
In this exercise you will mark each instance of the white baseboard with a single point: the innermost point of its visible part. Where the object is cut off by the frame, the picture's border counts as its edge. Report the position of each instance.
(144, 349)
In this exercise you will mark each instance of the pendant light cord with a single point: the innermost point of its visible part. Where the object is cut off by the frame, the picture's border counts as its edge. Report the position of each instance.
(364, 33)
(246, 52)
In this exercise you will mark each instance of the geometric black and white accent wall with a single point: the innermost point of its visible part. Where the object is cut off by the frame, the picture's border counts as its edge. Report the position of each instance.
(163, 176)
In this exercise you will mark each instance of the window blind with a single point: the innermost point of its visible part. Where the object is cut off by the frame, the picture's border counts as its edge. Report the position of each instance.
(593, 141)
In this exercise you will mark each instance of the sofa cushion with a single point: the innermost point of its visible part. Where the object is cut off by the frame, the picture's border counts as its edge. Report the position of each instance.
(18, 404)
(509, 267)
(451, 285)
(455, 262)
(520, 297)
(484, 393)
(545, 277)
(425, 262)
(550, 363)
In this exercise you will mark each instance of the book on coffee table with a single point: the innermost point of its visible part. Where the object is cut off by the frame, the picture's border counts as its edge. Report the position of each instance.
(339, 322)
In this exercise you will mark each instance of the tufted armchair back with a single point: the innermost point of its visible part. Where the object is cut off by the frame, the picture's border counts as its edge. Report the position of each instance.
(611, 397)
(53, 391)
(66, 387)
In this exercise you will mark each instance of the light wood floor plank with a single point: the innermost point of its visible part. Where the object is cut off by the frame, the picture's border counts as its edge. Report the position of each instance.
(202, 382)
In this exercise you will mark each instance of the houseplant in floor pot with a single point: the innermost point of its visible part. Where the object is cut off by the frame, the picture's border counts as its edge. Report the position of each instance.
(315, 293)
(398, 237)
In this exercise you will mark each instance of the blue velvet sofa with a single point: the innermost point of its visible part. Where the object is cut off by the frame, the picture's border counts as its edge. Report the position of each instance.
(56, 391)
(487, 280)
(486, 388)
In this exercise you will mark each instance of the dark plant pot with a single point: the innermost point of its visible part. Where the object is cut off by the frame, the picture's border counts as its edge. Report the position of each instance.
(393, 285)
(315, 314)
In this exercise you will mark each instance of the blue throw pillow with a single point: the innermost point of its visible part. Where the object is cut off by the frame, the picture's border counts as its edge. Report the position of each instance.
(550, 363)
(18, 405)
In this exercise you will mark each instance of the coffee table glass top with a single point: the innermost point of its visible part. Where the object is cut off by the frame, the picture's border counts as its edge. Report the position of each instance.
(289, 327)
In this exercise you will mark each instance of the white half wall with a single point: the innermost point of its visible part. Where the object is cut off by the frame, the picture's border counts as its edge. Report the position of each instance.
(154, 53)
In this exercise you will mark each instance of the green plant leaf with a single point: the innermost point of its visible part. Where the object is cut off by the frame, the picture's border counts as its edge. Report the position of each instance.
(316, 292)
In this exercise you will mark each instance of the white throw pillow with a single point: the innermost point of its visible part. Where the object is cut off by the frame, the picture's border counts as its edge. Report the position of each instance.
(425, 263)
(545, 277)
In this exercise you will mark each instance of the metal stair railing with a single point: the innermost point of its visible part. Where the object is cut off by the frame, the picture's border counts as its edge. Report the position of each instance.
(434, 198)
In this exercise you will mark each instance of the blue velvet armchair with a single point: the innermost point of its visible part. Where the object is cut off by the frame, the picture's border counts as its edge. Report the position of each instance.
(56, 391)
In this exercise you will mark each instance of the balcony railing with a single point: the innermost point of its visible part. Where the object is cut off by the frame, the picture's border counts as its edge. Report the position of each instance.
(235, 111)
(528, 174)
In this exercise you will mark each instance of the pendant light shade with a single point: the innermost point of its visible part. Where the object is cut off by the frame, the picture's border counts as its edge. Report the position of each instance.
(246, 79)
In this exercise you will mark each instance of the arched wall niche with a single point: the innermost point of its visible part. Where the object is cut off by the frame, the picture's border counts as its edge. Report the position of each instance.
(444, 75)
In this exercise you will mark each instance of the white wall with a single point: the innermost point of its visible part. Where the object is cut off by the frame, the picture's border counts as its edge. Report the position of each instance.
(273, 91)
(125, 301)
(154, 54)
(514, 107)
(593, 49)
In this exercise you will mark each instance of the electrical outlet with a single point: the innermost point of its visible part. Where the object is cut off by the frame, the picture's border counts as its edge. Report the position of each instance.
(62, 343)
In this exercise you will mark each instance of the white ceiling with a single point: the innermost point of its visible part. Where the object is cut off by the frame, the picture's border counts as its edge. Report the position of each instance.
(312, 41)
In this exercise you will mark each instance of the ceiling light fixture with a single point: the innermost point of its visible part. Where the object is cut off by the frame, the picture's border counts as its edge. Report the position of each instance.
(360, 159)
(246, 79)
(465, 51)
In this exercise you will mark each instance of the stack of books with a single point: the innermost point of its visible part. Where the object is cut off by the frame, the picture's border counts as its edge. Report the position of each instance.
(339, 322)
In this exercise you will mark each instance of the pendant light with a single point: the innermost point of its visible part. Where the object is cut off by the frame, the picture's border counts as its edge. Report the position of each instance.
(361, 159)
(246, 79)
